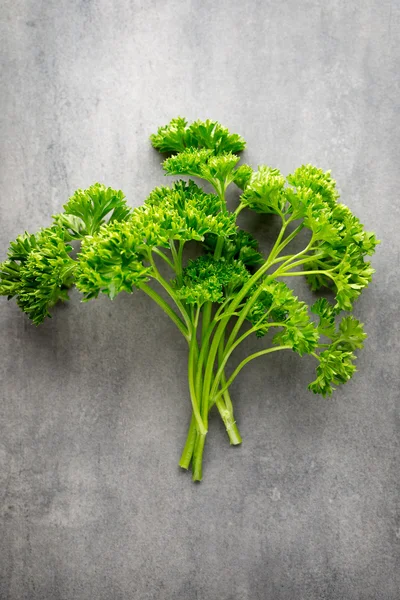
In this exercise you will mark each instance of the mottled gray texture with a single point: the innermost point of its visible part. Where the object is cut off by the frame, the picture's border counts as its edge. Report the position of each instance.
(94, 406)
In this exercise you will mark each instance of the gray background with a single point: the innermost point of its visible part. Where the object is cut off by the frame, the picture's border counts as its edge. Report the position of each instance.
(94, 406)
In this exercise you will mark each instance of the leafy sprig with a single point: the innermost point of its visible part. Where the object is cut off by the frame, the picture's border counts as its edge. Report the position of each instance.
(177, 136)
(87, 210)
(230, 291)
(38, 272)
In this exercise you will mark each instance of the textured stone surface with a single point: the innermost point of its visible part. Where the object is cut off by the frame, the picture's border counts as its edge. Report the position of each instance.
(94, 403)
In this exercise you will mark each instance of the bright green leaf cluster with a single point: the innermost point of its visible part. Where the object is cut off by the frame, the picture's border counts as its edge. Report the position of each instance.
(216, 169)
(335, 367)
(203, 149)
(279, 305)
(111, 262)
(341, 256)
(265, 191)
(87, 210)
(308, 177)
(339, 241)
(182, 212)
(336, 362)
(177, 136)
(242, 176)
(349, 335)
(206, 279)
(38, 272)
(239, 246)
(117, 249)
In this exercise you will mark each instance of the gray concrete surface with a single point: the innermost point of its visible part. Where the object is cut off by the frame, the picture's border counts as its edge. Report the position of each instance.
(94, 403)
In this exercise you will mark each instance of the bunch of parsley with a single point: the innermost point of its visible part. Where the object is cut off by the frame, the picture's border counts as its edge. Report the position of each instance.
(230, 291)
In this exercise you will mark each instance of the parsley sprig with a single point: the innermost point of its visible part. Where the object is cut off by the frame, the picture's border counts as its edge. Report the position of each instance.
(230, 291)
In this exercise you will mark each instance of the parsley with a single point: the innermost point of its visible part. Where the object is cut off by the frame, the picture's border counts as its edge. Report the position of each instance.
(230, 291)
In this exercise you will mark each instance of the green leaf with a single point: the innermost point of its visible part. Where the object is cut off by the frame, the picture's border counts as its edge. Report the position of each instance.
(202, 163)
(111, 262)
(264, 192)
(279, 304)
(87, 210)
(177, 136)
(182, 212)
(351, 334)
(240, 246)
(206, 279)
(21, 248)
(39, 272)
(242, 176)
(172, 137)
(308, 177)
(327, 315)
(335, 367)
(341, 244)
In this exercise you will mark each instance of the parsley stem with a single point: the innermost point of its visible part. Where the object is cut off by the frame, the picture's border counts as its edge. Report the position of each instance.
(164, 257)
(277, 248)
(187, 452)
(291, 236)
(244, 362)
(225, 360)
(239, 209)
(230, 424)
(225, 406)
(166, 308)
(303, 261)
(234, 304)
(197, 459)
(157, 275)
(177, 258)
(192, 389)
(297, 273)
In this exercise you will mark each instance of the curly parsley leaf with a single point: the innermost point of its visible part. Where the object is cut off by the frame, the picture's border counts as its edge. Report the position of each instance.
(177, 136)
(217, 170)
(38, 272)
(239, 246)
(335, 367)
(264, 191)
(87, 210)
(206, 279)
(279, 305)
(111, 262)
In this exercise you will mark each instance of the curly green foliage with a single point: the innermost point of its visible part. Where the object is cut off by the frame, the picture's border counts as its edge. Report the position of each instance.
(310, 191)
(119, 248)
(279, 305)
(242, 176)
(240, 246)
(340, 247)
(349, 335)
(177, 136)
(336, 362)
(327, 315)
(38, 272)
(87, 210)
(336, 232)
(335, 367)
(111, 261)
(264, 191)
(206, 279)
(216, 169)
(339, 241)
(308, 177)
(182, 212)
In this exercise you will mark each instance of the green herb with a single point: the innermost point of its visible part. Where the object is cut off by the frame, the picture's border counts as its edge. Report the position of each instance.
(230, 291)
